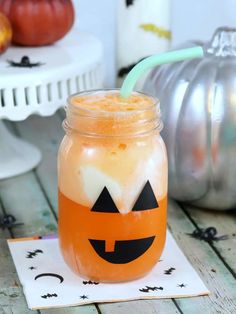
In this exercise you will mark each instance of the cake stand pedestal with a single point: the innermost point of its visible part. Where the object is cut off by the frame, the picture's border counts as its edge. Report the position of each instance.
(16, 155)
(71, 65)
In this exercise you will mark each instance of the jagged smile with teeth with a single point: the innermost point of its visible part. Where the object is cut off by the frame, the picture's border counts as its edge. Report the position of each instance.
(124, 251)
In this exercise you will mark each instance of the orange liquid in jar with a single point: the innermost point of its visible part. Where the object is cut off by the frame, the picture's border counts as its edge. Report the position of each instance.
(112, 189)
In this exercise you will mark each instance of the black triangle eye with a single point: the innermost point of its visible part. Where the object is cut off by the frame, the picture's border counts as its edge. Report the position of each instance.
(105, 203)
(146, 199)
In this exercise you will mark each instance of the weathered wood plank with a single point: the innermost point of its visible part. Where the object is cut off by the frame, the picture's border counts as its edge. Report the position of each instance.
(11, 295)
(22, 197)
(140, 307)
(46, 134)
(225, 224)
(5, 310)
(84, 309)
(216, 276)
(16, 310)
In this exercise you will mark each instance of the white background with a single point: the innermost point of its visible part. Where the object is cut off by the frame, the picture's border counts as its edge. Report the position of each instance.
(191, 19)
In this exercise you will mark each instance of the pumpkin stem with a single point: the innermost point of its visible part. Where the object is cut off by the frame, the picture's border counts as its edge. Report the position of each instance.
(223, 43)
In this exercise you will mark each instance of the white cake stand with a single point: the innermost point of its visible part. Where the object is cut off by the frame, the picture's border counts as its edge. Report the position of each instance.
(71, 65)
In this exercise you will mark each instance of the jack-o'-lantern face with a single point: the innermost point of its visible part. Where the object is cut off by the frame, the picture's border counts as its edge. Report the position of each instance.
(103, 244)
(125, 251)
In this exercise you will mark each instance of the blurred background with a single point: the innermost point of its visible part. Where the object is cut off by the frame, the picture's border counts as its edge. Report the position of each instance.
(189, 19)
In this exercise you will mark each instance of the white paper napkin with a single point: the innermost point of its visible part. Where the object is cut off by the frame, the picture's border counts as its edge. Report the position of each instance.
(48, 282)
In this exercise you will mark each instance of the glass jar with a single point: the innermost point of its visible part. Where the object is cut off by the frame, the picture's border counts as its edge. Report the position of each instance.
(112, 178)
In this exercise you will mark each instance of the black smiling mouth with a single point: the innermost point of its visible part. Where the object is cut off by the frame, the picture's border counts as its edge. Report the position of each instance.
(125, 251)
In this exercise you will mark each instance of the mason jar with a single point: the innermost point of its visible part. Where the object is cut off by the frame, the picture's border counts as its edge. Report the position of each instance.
(112, 179)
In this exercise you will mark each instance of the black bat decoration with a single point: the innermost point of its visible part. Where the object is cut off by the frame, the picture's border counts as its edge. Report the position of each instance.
(169, 271)
(9, 221)
(46, 296)
(32, 268)
(24, 63)
(182, 285)
(129, 2)
(147, 289)
(83, 297)
(208, 234)
(90, 282)
(125, 70)
(33, 254)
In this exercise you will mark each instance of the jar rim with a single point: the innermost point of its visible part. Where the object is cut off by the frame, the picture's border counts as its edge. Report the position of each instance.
(140, 120)
(102, 113)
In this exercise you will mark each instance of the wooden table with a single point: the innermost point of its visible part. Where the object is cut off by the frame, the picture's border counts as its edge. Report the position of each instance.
(32, 199)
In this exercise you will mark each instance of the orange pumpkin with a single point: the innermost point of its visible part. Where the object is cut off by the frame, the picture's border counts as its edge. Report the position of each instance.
(5, 33)
(102, 244)
(38, 23)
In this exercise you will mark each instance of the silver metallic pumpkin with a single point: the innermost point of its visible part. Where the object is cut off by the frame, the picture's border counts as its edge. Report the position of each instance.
(198, 102)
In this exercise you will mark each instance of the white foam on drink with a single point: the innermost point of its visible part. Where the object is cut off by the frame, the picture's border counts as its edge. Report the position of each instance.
(125, 195)
(151, 170)
(94, 182)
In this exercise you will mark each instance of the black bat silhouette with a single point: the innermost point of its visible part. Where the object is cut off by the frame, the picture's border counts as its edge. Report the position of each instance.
(24, 63)
(90, 282)
(9, 221)
(169, 271)
(84, 297)
(33, 254)
(46, 296)
(129, 2)
(208, 234)
(125, 70)
(147, 289)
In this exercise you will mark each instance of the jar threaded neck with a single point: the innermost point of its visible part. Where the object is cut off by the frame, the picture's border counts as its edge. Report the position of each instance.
(118, 120)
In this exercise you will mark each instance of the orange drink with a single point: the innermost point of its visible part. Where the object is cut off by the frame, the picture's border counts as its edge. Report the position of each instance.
(112, 178)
